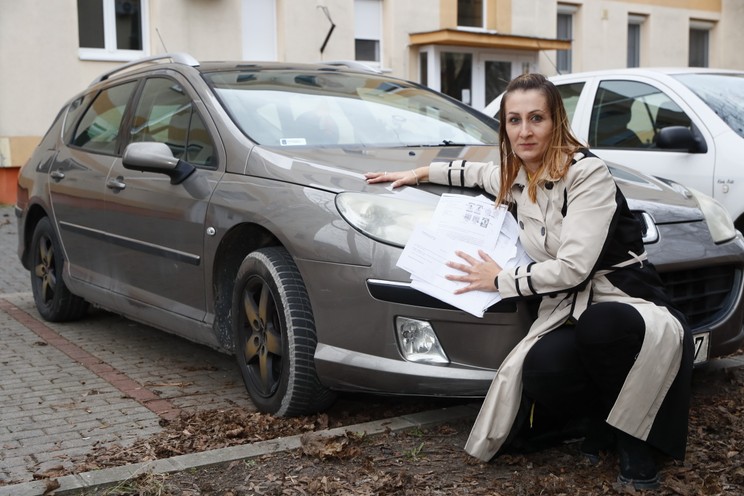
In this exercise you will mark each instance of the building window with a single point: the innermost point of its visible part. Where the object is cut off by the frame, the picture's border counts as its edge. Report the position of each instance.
(470, 13)
(634, 40)
(699, 43)
(424, 68)
(564, 31)
(367, 30)
(456, 75)
(112, 29)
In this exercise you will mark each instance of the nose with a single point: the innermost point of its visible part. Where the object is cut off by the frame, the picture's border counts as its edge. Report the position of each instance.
(525, 129)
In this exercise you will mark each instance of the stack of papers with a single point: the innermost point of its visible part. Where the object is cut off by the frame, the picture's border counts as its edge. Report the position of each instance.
(466, 224)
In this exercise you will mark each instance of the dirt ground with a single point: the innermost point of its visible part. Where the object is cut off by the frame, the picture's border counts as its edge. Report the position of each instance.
(426, 462)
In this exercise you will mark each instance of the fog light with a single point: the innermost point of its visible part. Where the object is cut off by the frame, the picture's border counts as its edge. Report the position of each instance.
(418, 342)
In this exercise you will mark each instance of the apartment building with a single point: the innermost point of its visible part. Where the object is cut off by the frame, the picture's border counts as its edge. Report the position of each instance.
(468, 49)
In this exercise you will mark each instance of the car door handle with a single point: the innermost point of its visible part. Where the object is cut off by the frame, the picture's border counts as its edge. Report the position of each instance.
(57, 175)
(116, 184)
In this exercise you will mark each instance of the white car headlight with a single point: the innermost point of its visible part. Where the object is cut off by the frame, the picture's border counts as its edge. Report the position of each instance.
(384, 217)
(719, 221)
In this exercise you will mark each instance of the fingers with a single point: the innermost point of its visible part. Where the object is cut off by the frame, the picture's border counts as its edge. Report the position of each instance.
(485, 256)
(397, 178)
(376, 177)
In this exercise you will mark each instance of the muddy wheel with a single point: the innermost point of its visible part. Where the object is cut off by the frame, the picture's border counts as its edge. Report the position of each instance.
(275, 338)
(53, 300)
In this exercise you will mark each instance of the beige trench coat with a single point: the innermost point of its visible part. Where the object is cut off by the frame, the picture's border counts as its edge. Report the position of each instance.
(566, 250)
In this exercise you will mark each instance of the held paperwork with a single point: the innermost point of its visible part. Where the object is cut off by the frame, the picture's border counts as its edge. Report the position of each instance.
(467, 224)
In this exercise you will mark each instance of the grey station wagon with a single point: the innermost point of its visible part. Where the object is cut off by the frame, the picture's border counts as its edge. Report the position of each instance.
(226, 203)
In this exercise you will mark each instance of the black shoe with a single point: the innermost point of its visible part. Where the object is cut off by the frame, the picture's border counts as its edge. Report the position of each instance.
(637, 463)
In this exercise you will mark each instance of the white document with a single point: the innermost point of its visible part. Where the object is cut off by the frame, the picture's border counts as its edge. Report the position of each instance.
(466, 224)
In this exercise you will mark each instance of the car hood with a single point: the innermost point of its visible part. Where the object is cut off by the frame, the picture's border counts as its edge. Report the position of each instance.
(342, 169)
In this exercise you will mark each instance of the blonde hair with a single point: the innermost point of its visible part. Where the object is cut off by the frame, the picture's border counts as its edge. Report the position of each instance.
(561, 149)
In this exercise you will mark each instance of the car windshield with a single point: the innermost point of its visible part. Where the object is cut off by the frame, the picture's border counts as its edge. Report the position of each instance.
(724, 93)
(318, 108)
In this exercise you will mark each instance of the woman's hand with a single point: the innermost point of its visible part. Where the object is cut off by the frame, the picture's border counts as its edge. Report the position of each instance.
(479, 274)
(411, 177)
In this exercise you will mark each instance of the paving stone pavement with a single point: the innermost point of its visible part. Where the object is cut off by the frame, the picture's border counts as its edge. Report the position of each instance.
(65, 388)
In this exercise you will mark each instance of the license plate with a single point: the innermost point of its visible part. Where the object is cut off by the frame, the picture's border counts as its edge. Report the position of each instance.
(702, 346)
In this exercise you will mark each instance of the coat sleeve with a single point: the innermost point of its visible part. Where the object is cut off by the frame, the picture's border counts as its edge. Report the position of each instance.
(484, 175)
(590, 209)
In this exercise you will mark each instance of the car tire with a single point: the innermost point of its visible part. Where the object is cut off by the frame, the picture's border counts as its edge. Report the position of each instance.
(275, 339)
(53, 299)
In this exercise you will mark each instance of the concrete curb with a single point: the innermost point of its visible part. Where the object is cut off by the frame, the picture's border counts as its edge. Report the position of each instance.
(111, 476)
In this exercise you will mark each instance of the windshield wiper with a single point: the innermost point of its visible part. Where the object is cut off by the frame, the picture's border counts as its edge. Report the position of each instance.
(444, 143)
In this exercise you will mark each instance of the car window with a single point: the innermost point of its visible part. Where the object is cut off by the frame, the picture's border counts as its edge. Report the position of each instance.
(98, 129)
(570, 94)
(296, 108)
(629, 114)
(73, 113)
(166, 114)
(724, 93)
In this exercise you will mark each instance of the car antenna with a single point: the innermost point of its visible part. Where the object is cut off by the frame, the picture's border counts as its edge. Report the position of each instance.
(330, 31)
(161, 40)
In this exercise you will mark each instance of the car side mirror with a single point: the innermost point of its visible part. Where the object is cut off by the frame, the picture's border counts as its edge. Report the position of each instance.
(156, 157)
(680, 138)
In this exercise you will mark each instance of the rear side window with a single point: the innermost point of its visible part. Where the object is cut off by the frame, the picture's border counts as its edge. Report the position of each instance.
(165, 114)
(570, 94)
(98, 130)
(629, 114)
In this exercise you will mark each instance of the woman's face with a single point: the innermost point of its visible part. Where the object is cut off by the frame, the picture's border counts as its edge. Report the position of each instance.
(529, 126)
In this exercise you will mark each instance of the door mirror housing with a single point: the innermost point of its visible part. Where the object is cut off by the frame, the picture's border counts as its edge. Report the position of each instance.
(680, 138)
(156, 157)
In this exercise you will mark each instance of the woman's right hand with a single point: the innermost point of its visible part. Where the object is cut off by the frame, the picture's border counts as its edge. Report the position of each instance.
(410, 178)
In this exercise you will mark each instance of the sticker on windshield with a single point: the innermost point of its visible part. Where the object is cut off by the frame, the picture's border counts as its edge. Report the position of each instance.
(292, 141)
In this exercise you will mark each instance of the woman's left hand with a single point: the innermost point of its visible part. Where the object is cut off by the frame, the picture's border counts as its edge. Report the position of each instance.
(479, 274)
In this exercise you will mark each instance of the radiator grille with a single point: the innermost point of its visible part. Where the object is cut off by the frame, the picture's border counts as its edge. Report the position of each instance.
(704, 294)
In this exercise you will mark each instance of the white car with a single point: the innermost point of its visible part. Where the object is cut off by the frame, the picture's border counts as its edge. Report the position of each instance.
(683, 124)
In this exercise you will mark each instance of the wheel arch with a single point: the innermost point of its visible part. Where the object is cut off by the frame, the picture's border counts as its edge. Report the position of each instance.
(34, 214)
(239, 241)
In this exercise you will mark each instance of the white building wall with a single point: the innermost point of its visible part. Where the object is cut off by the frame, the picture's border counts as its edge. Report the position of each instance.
(207, 29)
(39, 64)
(730, 35)
(41, 69)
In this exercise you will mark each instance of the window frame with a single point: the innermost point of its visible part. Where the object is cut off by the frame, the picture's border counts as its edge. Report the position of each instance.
(635, 40)
(484, 16)
(110, 52)
(564, 58)
(703, 29)
(368, 28)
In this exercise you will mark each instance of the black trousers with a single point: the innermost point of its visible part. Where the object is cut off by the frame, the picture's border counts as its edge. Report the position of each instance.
(578, 370)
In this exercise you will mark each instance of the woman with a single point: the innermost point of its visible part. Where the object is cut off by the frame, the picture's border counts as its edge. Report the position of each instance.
(606, 342)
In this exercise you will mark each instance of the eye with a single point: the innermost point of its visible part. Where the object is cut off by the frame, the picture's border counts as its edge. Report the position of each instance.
(513, 120)
(536, 118)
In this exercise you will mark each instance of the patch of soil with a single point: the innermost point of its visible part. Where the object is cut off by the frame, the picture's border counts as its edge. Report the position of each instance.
(426, 462)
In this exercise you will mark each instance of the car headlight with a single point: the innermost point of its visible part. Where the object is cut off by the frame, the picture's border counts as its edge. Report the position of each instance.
(720, 225)
(386, 218)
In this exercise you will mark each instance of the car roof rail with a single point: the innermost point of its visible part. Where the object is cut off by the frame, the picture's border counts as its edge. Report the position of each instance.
(352, 64)
(177, 57)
